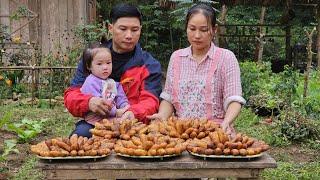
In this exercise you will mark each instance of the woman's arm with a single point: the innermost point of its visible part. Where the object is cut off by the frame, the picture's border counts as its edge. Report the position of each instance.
(232, 112)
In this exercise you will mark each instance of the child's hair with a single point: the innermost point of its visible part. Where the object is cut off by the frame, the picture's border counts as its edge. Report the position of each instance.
(89, 53)
(124, 10)
(204, 9)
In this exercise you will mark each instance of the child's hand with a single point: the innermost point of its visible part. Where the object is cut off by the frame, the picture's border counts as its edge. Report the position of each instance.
(121, 111)
(127, 115)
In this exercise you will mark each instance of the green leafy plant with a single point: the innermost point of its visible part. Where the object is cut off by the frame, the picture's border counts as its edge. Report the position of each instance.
(20, 12)
(254, 75)
(27, 129)
(9, 146)
(296, 127)
(5, 119)
(91, 32)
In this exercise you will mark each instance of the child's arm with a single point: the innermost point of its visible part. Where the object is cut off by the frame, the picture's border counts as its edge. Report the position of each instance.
(92, 86)
(121, 99)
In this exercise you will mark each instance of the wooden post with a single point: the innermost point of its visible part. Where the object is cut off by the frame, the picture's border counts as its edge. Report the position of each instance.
(309, 61)
(4, 11)
(288, 33)
(221, 40)
(260, 36)
(92, 11)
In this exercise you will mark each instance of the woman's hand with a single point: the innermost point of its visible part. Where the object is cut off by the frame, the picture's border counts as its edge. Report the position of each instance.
(156, 116)
(228, 129)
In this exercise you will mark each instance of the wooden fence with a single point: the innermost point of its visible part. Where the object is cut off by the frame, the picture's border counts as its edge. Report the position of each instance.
(49, 24)
(33, 29)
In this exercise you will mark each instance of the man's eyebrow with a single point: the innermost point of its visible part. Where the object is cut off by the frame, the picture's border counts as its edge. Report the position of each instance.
(129, 26)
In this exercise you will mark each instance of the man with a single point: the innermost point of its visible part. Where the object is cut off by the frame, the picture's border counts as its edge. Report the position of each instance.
(138, 72)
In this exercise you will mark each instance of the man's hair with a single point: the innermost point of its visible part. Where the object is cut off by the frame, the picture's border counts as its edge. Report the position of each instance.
(124, 10)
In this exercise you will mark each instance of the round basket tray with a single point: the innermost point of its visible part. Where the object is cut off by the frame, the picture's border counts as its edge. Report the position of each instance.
(73, 157)
(148, 157)
(226, 156)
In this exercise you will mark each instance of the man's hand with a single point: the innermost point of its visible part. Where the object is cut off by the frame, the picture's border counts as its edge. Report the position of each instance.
(99, 105)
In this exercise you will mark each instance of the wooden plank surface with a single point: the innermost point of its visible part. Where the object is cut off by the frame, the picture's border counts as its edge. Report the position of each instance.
(154, 174)
(45, 26)
(177, 167)
(63, 26)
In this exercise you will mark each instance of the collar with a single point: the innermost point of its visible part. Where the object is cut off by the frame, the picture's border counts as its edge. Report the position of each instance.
(135, 60)
(188, 53)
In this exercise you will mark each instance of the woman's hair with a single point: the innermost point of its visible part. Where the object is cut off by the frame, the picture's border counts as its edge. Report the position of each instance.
(89, 53)
(204, 9)
(124, 10)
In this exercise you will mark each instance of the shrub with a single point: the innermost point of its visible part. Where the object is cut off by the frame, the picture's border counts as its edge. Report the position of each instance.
(297, 127)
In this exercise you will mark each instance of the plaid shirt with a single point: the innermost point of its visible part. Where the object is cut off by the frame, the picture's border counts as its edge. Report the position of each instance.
(205, 89)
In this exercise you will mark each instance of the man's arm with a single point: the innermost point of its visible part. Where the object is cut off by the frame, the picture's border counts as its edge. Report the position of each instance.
(148, 101)
(76, 102)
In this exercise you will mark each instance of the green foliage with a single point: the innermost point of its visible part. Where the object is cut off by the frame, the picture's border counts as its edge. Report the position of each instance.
(27, 129)
(297, 127)
(253, 76)
(310, 105)
(313, 144)
(5, 119)
(91, 32)
(249, 123)
(291, 171)
(20, 12)
(9, 146)
(158, 36)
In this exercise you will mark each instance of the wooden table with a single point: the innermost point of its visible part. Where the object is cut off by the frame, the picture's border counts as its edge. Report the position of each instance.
(184, 166)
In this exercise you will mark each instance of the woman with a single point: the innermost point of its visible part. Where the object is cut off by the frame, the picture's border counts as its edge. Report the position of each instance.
(203, 81)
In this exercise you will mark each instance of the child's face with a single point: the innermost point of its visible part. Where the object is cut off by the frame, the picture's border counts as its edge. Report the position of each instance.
(101, 65)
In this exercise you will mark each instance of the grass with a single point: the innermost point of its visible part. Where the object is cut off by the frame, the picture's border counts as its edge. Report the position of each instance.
(28, 170)
(61, 123)
(290, 171)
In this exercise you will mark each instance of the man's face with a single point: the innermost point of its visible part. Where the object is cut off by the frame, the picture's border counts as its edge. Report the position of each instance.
(125, 34)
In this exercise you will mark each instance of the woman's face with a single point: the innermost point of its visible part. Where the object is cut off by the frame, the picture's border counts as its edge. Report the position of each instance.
(200, 32)
(101, 65)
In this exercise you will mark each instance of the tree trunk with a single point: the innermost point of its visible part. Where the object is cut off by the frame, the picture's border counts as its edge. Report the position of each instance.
(260, 43)
(318, 36)
(221, 40)
(287, 22)
(309, 61)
